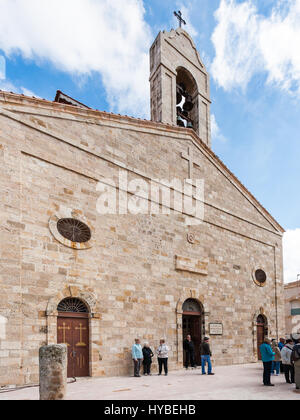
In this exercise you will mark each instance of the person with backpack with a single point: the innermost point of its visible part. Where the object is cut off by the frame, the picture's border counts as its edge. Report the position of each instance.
(288, 366)
(296, 359)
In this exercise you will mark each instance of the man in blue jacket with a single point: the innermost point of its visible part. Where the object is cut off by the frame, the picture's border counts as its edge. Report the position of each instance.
(137, 357)
(267, 356)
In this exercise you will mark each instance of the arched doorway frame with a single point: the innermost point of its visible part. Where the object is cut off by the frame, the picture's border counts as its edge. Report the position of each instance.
(179, 314)
(90, 300)
(262, 313)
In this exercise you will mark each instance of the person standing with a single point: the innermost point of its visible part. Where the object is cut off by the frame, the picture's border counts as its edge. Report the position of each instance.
(163, 355)
(288, 367)
(189, 348)
(267, 356)
(281, 344)
(137, 357)
(206, 357)
(296, 360)
(277, 358)
(147, 354)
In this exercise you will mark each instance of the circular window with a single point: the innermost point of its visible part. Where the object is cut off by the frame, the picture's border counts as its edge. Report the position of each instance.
(74, 230)
(260, 277)
(70, 228)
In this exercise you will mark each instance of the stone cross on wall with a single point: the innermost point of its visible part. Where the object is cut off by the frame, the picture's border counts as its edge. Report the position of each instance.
(190, 158)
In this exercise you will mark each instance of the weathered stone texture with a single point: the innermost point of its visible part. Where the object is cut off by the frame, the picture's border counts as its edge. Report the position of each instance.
(170, 52)
(131, 268)
(292, 301)
(53, 372)
(52, 157)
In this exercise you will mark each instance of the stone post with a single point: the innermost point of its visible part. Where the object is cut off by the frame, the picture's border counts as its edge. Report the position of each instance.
(53, 372)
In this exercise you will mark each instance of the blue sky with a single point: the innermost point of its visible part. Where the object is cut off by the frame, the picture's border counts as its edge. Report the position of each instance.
(97, 51)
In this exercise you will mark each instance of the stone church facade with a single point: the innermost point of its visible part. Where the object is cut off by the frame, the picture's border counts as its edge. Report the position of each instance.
(69, 273)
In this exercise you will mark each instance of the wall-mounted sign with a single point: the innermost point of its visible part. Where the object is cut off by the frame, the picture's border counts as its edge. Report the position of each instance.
(216, 329)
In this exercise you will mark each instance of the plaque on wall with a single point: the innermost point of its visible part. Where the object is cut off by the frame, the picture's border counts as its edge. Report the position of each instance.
(216, 329)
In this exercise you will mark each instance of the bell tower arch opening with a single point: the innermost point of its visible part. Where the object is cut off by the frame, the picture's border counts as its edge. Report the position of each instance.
(179, 84)
(186, 99)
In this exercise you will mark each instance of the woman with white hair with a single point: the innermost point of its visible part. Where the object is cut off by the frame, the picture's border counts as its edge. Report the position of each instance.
(163, 355)
(148, 354)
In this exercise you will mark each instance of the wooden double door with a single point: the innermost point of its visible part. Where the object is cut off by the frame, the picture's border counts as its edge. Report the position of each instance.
(262, 332)
(73, 330)
(192, 325)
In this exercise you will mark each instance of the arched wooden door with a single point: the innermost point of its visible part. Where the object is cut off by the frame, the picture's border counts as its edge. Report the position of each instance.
(262, 332)
(73, 330)
(192, 324)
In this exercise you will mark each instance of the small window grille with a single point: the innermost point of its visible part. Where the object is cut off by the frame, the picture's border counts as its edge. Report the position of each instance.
(260, 276)
(74, 230)
(72, 305)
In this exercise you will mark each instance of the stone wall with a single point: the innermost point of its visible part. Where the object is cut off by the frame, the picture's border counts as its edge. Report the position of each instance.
(51, 159)
(292, 322)
(170, 52)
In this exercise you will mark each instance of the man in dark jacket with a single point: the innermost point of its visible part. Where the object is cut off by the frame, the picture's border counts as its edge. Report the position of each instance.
(205, 356)
(147, 362)
(189, 348)
(296, 359)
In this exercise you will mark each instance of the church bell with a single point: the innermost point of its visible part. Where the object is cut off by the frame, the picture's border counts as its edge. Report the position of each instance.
(180, 121)
(183, 118)
(188, 105)
(178, 96)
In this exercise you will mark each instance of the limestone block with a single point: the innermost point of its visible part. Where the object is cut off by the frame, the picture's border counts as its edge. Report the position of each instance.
(192, 264)
(53, 372)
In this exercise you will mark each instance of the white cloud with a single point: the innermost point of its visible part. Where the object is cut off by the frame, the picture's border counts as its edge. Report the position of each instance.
(215, 130)
(7, 86)
(2, 68)
(85, 36)
(291, 255)
(248, 43)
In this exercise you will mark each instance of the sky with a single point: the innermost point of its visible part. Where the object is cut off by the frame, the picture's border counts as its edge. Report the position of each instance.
(97, 51)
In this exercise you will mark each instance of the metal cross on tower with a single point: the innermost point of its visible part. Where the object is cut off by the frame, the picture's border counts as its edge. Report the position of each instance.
(179, 17)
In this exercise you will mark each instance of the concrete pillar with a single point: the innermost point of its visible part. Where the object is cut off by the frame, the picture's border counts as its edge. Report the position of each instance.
(53, 372)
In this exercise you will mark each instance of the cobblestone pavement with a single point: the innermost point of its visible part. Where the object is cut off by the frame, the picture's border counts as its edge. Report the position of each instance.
(242, 382)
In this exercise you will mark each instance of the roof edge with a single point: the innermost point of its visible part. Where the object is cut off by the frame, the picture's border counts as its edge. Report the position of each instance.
(72, 109)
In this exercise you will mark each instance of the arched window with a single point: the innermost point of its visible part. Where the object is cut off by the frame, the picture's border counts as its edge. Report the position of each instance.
(192, 305)
(72, 305)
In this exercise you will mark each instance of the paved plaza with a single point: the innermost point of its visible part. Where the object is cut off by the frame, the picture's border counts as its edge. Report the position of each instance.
(230, 383)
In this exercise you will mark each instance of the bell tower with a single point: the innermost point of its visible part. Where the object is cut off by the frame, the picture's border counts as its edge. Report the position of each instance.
(179, 84)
